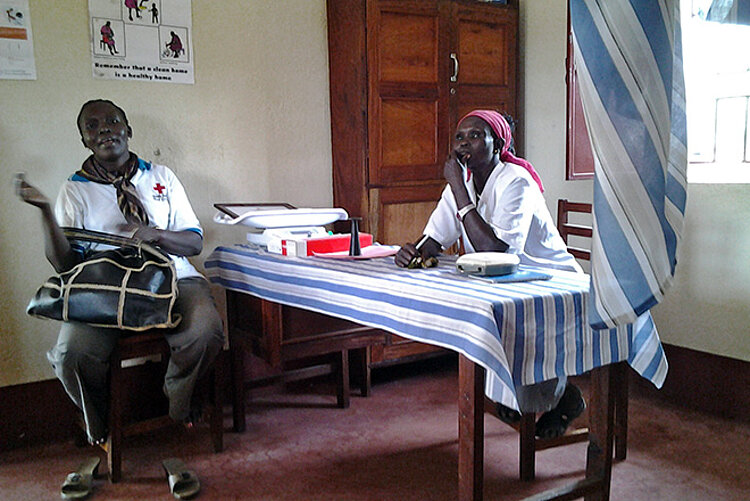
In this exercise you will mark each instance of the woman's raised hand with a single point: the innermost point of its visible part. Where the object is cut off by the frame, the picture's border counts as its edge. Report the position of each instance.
(452, 170)
(29, 193)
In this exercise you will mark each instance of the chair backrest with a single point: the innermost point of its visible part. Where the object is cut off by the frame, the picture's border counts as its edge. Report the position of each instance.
(564, 208)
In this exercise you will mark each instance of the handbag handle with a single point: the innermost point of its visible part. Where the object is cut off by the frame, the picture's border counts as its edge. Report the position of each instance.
(101, 237)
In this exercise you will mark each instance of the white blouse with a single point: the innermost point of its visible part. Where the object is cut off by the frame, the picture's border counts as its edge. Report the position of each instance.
(514, 207)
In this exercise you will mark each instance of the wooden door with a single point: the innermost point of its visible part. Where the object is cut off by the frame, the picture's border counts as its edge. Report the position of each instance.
(407, 114)
(484, 46)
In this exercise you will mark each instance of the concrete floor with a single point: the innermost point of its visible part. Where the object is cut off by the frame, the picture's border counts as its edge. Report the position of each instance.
(398, 444)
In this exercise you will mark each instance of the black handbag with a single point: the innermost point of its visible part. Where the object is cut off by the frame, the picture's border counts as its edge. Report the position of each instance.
(132, 286)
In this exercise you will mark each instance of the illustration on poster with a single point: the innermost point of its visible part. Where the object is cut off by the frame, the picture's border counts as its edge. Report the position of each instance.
(108, 38)
(14, 17)
(132, 43)
(175, 45)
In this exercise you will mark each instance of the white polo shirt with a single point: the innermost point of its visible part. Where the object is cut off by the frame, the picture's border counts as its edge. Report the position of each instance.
(514, 207)
(93, 206)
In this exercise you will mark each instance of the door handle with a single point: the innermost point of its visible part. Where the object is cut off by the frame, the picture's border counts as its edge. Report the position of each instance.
(454, 58)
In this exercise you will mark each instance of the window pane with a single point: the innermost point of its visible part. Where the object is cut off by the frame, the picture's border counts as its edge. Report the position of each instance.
(731, 119)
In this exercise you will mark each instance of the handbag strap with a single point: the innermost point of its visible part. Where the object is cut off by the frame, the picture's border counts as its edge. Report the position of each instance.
(100, 237)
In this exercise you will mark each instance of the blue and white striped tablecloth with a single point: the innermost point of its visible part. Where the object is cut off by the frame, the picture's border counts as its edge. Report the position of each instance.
(522, 332)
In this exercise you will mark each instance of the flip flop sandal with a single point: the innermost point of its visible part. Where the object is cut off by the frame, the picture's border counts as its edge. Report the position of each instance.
(78, 484)
(554, 423)
(183, 483)
(508, 415)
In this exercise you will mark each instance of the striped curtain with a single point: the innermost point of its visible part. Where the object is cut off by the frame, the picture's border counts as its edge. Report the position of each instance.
(628, 57)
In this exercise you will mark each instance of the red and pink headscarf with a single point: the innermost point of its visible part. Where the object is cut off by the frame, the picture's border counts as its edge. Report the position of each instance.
(502, 130)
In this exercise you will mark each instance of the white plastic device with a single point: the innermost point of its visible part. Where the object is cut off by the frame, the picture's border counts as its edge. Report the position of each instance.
(488, 263)
(284, 218)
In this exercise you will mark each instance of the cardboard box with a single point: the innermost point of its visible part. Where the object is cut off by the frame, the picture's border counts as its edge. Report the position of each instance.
(330, 243)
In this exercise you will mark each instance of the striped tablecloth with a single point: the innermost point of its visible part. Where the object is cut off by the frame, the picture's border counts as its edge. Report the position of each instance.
(522, 332)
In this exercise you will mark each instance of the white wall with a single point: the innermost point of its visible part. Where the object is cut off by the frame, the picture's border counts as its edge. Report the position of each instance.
(254, 127)
(708, 308)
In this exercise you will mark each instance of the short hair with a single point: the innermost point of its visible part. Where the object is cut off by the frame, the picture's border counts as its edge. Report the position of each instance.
(95, 101)
(511, 121)
(512, 124)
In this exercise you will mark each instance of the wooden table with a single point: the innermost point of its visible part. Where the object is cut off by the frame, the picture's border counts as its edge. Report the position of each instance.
(502, 332)
(275, 336)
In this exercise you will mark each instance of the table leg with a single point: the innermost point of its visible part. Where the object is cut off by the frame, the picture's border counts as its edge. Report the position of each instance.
(342, 379)
(601, 430)
(470, 430)
(237, 364)
(621, 411)
(365, 384)
(527, 447)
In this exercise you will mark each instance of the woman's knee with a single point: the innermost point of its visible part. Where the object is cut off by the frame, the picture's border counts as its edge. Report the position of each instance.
(79, 346)
(66, 359)
(203, 317)
(212, 331)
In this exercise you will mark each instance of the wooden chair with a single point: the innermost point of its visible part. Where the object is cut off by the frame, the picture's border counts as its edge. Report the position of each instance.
(126, 419)
(529, 444)
(566, 228)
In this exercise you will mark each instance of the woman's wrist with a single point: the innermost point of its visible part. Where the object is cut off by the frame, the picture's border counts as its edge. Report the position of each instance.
(156, 235)
(463, 211)
(460, 195)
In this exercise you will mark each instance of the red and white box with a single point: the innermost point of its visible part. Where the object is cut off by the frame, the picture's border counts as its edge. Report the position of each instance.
(321, 245)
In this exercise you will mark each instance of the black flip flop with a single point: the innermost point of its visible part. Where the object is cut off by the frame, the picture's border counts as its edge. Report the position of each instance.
(508, 415)
(552, 424)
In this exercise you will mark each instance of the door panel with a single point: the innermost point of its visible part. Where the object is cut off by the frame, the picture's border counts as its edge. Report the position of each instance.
(402, 212)
(408, 47)
(485, 43)
(408, 111)
(408, 131)
(483, 53)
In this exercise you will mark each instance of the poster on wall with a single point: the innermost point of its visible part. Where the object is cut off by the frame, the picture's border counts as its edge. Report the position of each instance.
(142, 40)
(16, 43)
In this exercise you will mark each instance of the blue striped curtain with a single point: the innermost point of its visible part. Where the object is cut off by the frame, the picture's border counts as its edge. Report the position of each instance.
(628, 57)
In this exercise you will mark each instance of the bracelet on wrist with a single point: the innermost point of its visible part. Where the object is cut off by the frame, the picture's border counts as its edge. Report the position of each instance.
(465, 210)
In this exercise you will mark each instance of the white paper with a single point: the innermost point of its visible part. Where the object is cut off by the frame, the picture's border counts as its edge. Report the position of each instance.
(142, 40)
(16, 41)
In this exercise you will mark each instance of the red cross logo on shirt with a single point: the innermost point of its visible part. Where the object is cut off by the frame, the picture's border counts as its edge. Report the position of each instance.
(160, 194)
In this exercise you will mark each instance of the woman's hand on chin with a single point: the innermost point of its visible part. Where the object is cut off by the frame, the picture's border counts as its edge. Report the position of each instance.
(453, 170)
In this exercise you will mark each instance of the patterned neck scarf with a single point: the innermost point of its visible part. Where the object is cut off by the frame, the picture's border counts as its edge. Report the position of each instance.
(502, 130)
(127, 197)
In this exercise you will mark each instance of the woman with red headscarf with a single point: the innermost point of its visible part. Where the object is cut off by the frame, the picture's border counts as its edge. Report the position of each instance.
(494, 202)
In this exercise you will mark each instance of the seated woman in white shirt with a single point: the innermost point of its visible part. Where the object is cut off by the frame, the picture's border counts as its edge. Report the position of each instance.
(493, 202)
(116, 192)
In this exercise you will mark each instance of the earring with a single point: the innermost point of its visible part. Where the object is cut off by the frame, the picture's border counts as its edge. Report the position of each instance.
(496, 151)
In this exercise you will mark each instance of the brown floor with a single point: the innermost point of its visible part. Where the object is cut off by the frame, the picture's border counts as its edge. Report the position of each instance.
(399, 444)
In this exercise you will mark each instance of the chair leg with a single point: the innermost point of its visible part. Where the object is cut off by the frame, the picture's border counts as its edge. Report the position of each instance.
(621, 411)
(342, 383)
(217, 410)
(527, 446)
(365, 372)
(113, 447)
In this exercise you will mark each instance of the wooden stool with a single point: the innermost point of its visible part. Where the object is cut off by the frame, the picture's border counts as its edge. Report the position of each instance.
(149, 345)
